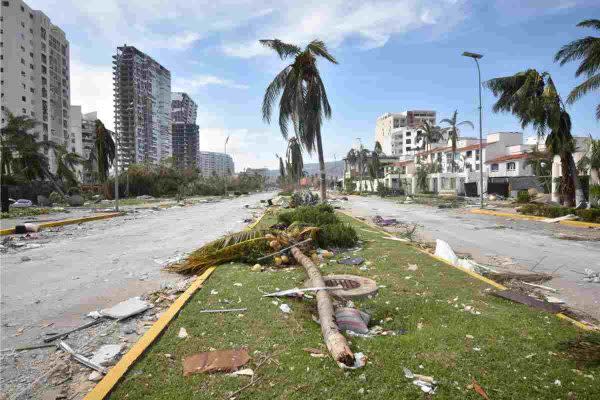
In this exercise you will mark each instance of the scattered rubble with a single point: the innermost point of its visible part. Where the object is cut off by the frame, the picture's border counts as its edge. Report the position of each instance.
(591, 276)
(107, 354)
(426, 383)
(126, 309)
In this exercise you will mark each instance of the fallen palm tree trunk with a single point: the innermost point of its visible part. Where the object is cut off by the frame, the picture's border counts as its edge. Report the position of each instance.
(334, 340)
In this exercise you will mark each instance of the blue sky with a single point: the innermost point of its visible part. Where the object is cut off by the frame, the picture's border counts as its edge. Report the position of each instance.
(393, 56)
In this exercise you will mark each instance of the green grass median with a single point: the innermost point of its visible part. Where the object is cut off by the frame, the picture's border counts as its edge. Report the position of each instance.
(454, 329)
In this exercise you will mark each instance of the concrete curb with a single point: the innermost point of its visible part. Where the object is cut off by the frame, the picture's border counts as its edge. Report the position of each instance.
(51, 224)
(114, 375)
(576, 224)
(474, 274)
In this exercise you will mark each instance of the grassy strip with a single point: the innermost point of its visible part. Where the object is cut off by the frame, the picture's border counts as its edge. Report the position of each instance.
(519, 354)
(27, 212)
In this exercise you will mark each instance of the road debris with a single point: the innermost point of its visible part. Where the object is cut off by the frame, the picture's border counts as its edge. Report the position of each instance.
(81, 359)
(223, 310)
(297, 292)
(215, 361)
(591, 276)
(378, 220)
(182, 333)
(126, 309)
(360, 360)
(528, 300)
(540, 287)
(426, 383)
(479, 389)
(351, 319)
(243, 372)
(107, 354)
(568, 217)
(315, 352)
(285, 308)
(351, 261)
(79, 328)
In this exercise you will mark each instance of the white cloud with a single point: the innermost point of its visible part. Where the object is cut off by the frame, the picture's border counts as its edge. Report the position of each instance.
(195, 82)
(336, 21)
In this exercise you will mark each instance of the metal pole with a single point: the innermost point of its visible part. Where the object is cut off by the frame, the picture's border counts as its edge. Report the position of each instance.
(480, 139)
(224, 170)
(116, 172)
(360, 166)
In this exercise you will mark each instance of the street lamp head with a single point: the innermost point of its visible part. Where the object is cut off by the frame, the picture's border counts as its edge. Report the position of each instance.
(472, 55)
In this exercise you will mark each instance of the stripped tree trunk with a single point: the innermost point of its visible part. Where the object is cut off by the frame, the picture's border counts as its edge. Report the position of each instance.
(335, 341)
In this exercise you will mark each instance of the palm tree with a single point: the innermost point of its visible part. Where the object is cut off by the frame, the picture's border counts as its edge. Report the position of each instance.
(430, 134)
(294, 159)
(588, 51)
(591, 162)
(281, 170)
(104, 151)
(541, 165)
(454, 131)
(532, 97)
(65, 165)
(303, 98)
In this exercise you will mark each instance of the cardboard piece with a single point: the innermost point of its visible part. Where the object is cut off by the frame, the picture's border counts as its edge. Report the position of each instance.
(215, 361)
(528, 300)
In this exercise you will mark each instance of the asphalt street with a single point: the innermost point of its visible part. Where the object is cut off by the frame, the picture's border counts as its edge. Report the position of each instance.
(521, 245)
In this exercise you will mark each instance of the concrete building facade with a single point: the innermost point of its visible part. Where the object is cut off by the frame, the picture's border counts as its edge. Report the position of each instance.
(398, 132)
(185, 132)
(213, 163)
(35, 74)
(83, 128)
(142, 103)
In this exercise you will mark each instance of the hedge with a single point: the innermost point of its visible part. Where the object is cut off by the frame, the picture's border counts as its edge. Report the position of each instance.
(540, 210)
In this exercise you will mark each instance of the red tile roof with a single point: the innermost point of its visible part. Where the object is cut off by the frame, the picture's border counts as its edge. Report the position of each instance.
(508, 157)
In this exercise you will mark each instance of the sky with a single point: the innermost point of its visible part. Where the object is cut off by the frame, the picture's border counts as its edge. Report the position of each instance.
(393, 56)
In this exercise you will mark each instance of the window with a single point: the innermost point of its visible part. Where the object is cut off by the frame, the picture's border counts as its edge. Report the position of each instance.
(32, 90)
(43, 33)
(22, 61)
(22, 9)
(31, 55)
(511, 166)
(22, 24)
(408, 133)
(23, 98)
(469, 153)
(408, 141)
(5, 3)
(494, 167)
(24, 111)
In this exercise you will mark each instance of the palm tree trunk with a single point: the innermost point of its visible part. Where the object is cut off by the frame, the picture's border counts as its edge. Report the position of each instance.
(321, 168)
(567, 184)
(334, 340)
(579, 196)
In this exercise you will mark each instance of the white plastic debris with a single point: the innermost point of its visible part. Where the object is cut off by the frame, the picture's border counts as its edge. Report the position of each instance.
(443, 250)
(94, 315)
(213, 292)
(285, 308)
(426, 383)
(126, 308)
(591, 276)
(182, 333)
(243, 372)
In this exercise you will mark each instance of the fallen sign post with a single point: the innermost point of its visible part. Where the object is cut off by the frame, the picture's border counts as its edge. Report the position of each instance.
(79, 328)
(298, 290)
(223, 311)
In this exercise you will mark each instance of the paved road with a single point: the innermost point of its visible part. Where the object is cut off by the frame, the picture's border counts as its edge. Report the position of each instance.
(93, 265)
(484, 237)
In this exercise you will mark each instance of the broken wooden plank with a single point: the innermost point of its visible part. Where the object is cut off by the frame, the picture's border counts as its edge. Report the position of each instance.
(81, 359)
(528, 300)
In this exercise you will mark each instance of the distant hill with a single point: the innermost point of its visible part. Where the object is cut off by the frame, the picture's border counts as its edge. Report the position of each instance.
(332, 168)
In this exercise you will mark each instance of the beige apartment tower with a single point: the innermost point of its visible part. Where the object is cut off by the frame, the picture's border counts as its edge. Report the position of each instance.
(34, 63)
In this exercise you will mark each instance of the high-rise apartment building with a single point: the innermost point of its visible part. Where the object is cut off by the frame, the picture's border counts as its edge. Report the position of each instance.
(34, 71)
(212, 163)
(83, 129)
(186, 134)
(142, 101)
(398, 132)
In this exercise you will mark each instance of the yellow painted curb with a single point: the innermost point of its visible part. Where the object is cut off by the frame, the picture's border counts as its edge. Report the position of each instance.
(51, 224)
(476, 275)
(103, 388)
(576, 224)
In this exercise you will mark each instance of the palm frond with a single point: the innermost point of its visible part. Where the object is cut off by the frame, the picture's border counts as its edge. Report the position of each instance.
(317, 47)
(590, 23)
(273, 90)
(284, 50)
(580, 90)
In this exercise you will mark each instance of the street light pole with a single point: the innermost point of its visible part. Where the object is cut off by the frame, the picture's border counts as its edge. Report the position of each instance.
(476, 57)
(224, 171)
(116, 171)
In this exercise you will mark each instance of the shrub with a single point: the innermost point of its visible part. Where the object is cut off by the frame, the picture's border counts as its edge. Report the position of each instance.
(333, 232)
(383, 191)
(285, 193)
(523, 196)
(56, 198)
(587, 215)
